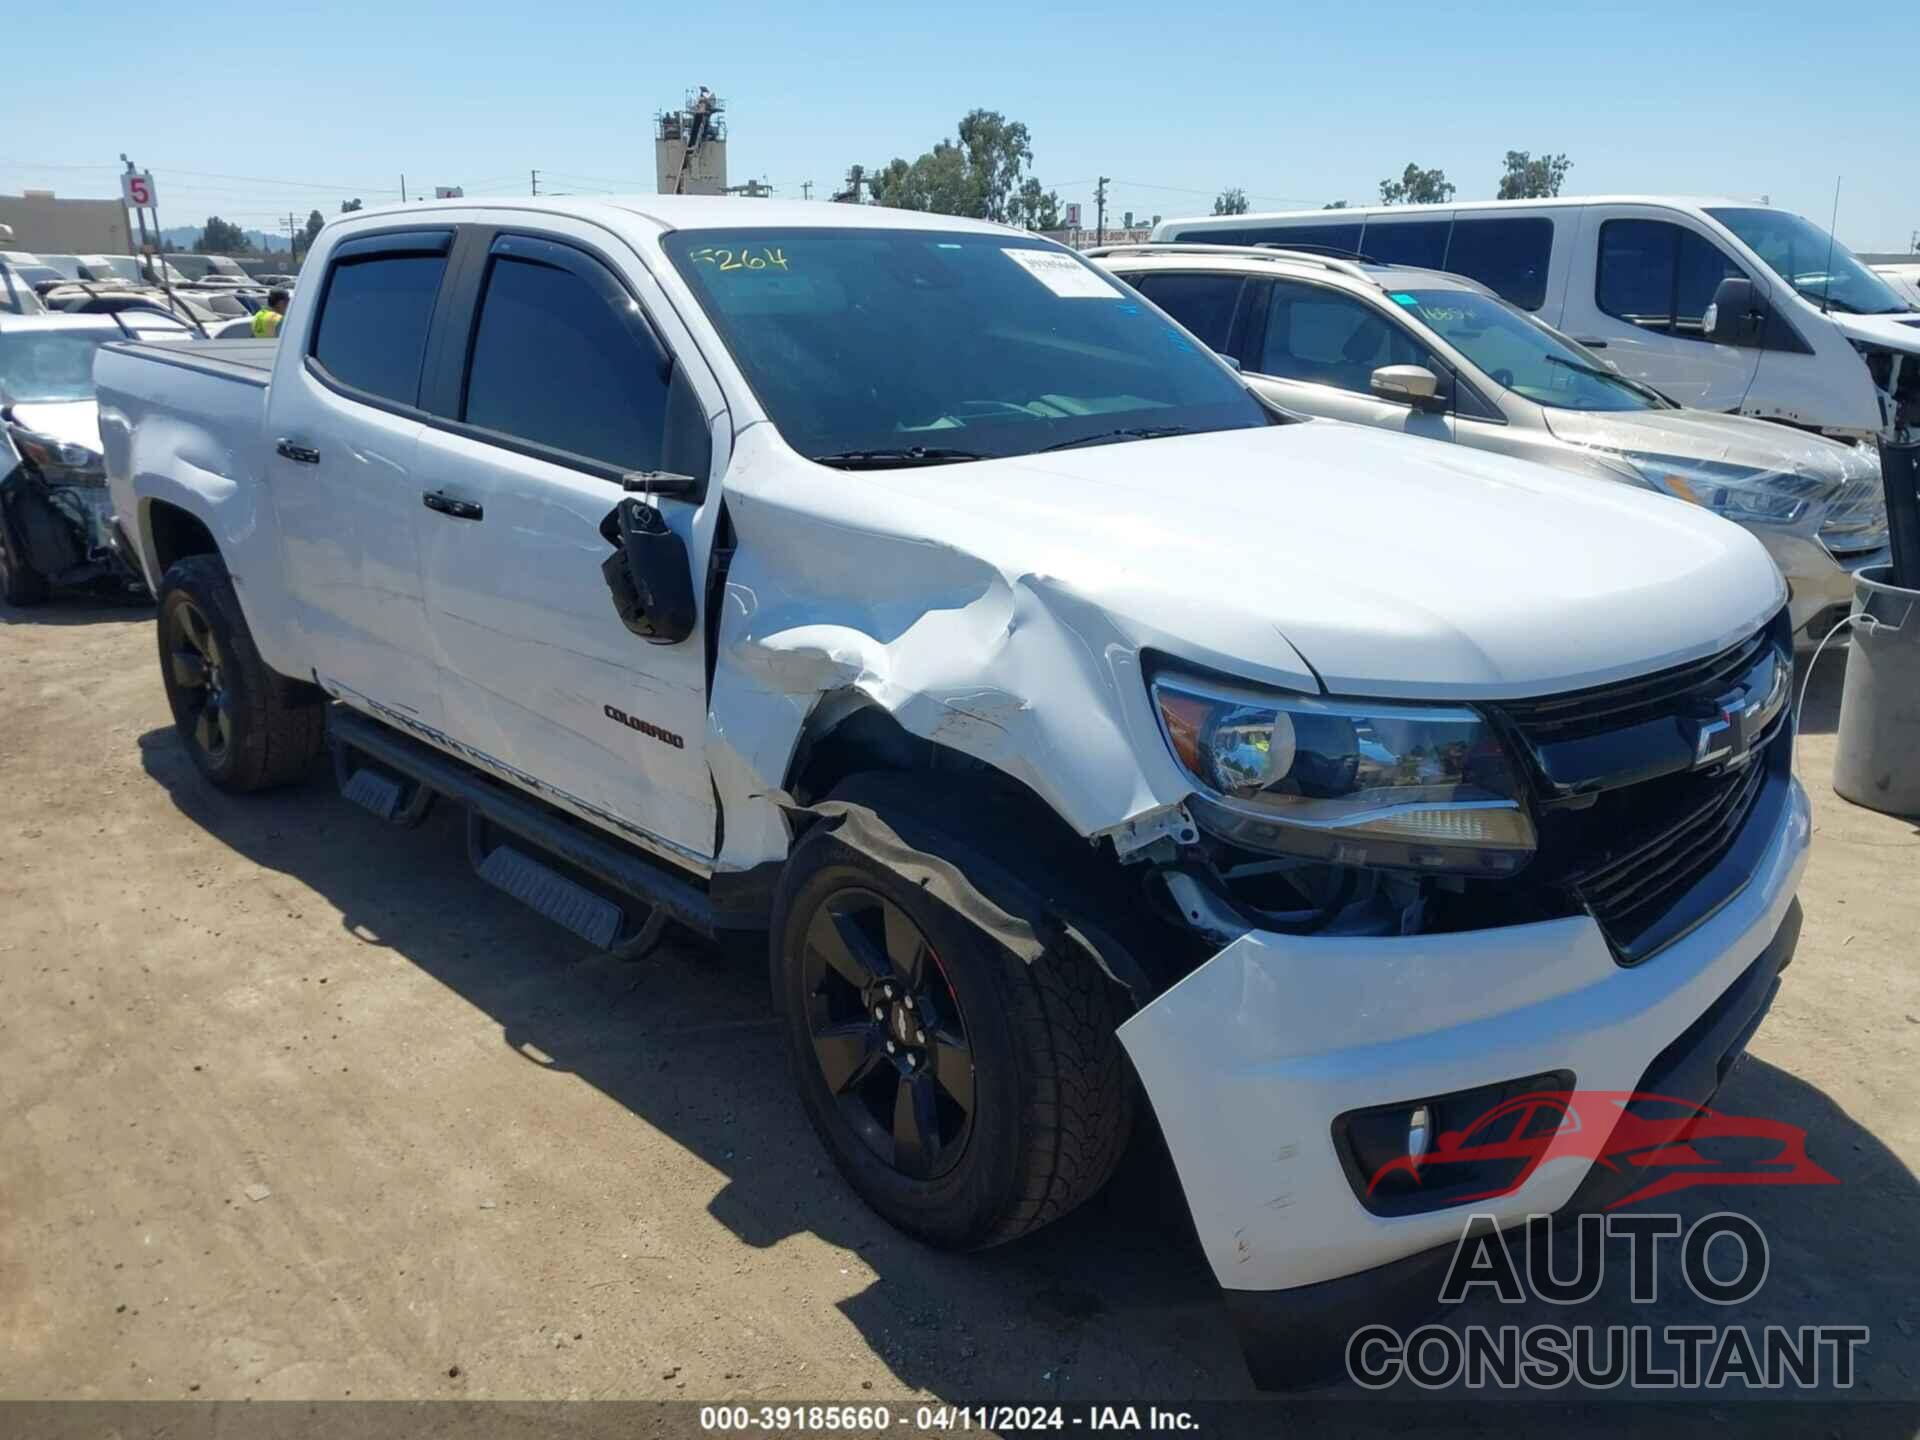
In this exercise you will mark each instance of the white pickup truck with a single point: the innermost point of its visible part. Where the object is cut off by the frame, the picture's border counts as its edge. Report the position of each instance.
(1071, 727)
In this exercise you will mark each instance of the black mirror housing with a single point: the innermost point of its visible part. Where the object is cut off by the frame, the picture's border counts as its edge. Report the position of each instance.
(648, 575)
(1738, 314)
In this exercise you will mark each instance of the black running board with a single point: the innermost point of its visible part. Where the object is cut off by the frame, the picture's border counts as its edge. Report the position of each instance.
(611, 872)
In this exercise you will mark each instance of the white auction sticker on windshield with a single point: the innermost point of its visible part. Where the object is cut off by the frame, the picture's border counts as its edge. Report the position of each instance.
(1062, 274)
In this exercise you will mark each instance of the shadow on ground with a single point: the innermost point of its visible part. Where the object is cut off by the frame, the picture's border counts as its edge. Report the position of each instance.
(1115, 1300)
(76, 610)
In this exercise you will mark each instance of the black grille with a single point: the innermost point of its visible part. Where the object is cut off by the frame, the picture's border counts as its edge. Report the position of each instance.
(1653, 858)
(1582, 713)
(1639, 896)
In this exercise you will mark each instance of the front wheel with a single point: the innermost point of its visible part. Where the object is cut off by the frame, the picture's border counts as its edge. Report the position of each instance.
(967, 1095)
(246, 726)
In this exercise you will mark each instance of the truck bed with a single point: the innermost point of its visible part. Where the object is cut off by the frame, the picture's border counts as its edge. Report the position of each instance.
(248, 361)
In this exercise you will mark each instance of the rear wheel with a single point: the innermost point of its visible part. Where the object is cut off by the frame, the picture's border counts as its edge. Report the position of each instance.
(246, 726)
(967, 1095)
(20, 583)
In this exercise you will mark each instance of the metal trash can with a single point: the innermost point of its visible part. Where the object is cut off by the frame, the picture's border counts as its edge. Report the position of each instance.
(1876, 761)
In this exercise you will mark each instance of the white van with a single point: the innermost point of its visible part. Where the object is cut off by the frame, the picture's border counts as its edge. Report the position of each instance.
(1720, 304)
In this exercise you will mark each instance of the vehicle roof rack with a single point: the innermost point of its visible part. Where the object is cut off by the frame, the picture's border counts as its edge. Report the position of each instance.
(1248, 252)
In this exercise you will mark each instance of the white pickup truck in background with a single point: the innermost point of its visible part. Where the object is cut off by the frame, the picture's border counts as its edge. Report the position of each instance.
(901, 592)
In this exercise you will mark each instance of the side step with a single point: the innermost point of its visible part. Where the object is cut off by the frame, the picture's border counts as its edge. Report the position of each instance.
(604, 872)
(378, 791)
(542, 888)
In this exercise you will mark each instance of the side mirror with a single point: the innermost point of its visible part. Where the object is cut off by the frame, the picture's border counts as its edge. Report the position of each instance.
(1413, 385)
(1738, 314)
(648, 575)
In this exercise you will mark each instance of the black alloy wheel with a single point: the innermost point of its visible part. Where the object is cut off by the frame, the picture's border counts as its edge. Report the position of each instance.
(888, 1034)
(199, 679)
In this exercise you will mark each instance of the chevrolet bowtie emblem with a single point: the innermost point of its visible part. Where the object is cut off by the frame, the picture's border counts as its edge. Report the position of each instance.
(1742, 716)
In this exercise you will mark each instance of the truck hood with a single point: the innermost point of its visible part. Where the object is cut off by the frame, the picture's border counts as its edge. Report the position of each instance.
(1899, 331)
(1703, 435)
(1391, 566)
(77, 422)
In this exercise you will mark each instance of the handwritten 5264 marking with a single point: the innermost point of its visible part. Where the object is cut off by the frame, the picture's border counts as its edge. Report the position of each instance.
(768, 257)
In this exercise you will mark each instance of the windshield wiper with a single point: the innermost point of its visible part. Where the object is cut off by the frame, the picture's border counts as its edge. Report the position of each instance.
(1615, 376)
(896, 459)
(1130, 432)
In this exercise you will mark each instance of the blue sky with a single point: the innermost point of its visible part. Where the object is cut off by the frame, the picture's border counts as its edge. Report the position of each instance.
(249, 117)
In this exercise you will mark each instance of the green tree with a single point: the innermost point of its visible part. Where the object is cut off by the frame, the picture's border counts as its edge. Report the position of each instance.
(1529, 179)
(1034, 208)
(1231, 202)
(1417, 187)
(315, 223)
(347, 207)
(220, 238)
(981, 172)
(1334, 205)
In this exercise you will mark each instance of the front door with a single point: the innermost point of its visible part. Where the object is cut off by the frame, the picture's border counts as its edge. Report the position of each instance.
(1313, 350)
(1648, 279)
(562, 388)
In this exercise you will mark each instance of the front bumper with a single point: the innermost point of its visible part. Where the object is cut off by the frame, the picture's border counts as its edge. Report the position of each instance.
(1821, 582)
(1248, 1060)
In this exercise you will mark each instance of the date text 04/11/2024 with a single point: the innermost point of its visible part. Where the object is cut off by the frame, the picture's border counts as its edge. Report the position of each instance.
(868, 1419)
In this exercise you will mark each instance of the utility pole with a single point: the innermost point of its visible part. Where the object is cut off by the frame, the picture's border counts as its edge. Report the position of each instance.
(536, 181)
(403, 187)
(806, 189)
(1100, 212)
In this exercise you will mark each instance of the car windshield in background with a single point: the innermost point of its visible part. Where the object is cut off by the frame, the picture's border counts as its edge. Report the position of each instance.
(899, 347)
(125, 266)
(1521, 354)
(1811, 261)
(40, 366)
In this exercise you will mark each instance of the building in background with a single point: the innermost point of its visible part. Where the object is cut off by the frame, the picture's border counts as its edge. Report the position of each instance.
(66, 227)
(690, 146)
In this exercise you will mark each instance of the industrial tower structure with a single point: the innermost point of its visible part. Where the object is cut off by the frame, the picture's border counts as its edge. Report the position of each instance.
(690, 146)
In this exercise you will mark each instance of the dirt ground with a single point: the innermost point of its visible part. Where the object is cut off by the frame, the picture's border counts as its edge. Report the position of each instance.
(292, 1106)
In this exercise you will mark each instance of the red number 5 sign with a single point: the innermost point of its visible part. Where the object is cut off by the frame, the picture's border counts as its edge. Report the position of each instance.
(137, 190)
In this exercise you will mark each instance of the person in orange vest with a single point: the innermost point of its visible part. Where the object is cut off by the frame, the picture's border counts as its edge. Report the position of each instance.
(266, 323)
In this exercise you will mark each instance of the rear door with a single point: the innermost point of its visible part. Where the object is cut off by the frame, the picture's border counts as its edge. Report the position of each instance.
(557, 380)
(343, 430)
(1313, 349)
(1642, 281)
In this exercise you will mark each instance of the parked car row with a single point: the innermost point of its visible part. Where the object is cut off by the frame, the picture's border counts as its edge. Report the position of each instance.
(1428, 353)
(1071, 724)
(1723, 305)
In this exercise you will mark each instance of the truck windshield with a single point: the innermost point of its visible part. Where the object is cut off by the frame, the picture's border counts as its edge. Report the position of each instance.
(1816, 265)
(891, 347)
(1520, 354)
(41, 366)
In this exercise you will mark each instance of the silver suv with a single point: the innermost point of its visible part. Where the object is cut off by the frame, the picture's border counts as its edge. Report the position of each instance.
(1440, 356)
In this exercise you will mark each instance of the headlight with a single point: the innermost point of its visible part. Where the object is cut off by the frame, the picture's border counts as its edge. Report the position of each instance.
(51, 454)
(1351, 782)
(1737, 492)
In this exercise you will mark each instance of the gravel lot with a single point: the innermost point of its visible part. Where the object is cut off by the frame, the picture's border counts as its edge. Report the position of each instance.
(295, 1107)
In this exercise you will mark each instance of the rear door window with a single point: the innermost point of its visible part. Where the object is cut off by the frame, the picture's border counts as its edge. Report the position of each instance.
(564, 361)
(371, 334)
(1508, 255)
(1407, 242)
(1203, 303)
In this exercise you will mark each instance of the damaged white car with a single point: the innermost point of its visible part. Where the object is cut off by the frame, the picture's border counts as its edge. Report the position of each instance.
(903, 589)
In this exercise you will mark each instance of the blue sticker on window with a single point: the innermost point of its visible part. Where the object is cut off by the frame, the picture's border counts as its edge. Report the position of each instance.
(1400, 297)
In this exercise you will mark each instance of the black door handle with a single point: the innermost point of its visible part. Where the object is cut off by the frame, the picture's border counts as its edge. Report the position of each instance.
(447, 505)
(305, 454)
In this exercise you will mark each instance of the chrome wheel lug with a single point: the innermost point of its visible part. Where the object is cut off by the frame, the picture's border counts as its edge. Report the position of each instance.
(892, 1048)
(919, 1037)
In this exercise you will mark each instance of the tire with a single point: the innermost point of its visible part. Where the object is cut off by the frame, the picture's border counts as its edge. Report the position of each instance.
(1051, 1094)
(246, 727)
(20, 583)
